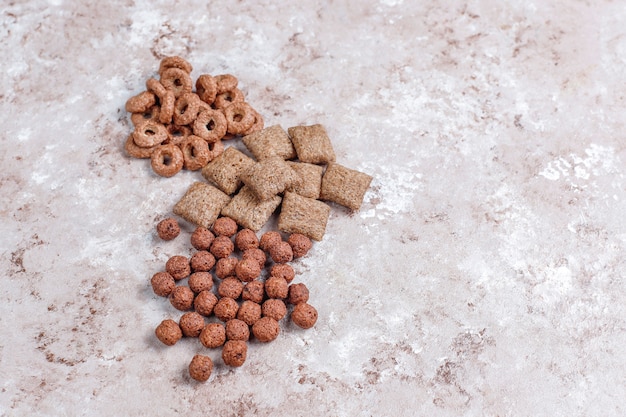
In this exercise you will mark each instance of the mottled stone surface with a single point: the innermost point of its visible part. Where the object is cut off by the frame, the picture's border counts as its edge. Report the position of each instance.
(483, 274)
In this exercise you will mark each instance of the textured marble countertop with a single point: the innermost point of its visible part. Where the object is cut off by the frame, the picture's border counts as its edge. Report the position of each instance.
(483, 275)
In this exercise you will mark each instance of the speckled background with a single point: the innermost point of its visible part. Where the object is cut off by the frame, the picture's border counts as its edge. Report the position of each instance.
(483, 275)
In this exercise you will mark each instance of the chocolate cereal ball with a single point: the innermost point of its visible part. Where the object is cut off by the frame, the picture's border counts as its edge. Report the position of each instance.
(200, 281)
(234, 352)
(253, 291)
(249, 312)
(246, 239)
(191, 324)
(213, 335)
(226, 309)
(300, 244)
(257, 254)
(281, 252)
(237, 330)
(247, 270)
(204, 303)
(200, 368)
(266, 329)
(178, 267)
(162, 283)
(274, 308)
(230, 287)
(298, 293)
(304, 315)
(224, 226)
(181, 298)
(276, 287)
(202, 261)
(168, 332)
(269, 239)
(225, 267)
(284, 271)
(202, 238)
(168, 229)
(222, 247)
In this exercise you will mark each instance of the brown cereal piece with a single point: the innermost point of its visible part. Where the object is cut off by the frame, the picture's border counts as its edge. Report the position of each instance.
(344, 186)
(225, 226)
(247, 270)
(200, 281)
(151, 114)
(202, 261)
(177, 134)
(226, 309)
(167, 160)
(274, 308)
(201, 238)
(155, 86)
(255, 254)
(249, 312)
(311, 176)
(225, 82)
(230, 287)
(135, 151)
(215, 149)
(284, 271)
(312, 144)
(304, 315)
(168, 332)
(225, 99)
(206, 88)
(266, 329)
(281, 252)
(200, 368)
(186, 109)
(246, 239)
(276, 287)
(271, 141)
(204, 303)
(225, 267)
(270, 177)
(175, 62)
(222, 247)
(298, 293)
(168, 228)
(181, 298)
(239, 117)
(149, 133)
(253, 291)
(300, 244)
(257, 125)
(237, 330)
(141, 103)
(191, 324)
(210, 125)
(178, 267)
(250, 212)
(225, 171)
(177, 81)
(166, 112)
(213, 335)
(303, 215)
(195, 153)
(234, 352)
(201, 204)
(269, 239)
(162, 284)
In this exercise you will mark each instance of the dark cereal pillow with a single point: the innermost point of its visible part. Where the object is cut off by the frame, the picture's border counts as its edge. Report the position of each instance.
(248, 211)
(344, 186)
(311, 176)
(303, 215)
(201, 204)
(225, 170)
(271, 141)
(270, 177)
(312, 144)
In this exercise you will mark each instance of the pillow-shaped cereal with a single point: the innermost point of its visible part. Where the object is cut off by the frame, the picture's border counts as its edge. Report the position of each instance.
(270, 177)
(312, 144)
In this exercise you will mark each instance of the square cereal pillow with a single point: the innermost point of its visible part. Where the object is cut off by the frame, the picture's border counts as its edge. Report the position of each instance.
(312, 144)
(201, 204)
(344, 186)
(271, 141)
(311, 176)
(270, 177)
(225, 170)
(303, 215)
(248, 211)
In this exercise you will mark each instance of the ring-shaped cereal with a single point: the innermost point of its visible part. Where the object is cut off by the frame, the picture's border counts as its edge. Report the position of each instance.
(226, 98)
(149, 133)
(177, 134)
(167, 160)
(176, 80)
(154, 85)
(257, 125)
(210, 125)
(206, 88)
(141, 103)
(135, 151)
(168, 101)
(225, 82)
(195, 153)
(175, 62)
(186, 109)
(239, 117)
(215, 149)
(151, 114)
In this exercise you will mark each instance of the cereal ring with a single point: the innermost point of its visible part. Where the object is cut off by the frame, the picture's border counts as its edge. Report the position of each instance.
(210, 125)
(177, 134)
(239, 117)
(168, 101)
(135, 151)
(215, 149)
(154, 85)
(225, 82)
(175, 62)
(224, 99)
(186, 109)
(167, 160)
(206, 88)
(195, 153)
(141, 102)
(149, 134)
(151, 114)
(257, 125)
(177, 81)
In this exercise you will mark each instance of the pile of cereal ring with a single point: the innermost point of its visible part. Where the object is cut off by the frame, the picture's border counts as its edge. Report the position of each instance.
(177, 127)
